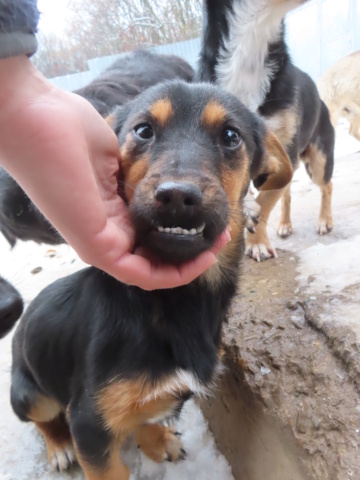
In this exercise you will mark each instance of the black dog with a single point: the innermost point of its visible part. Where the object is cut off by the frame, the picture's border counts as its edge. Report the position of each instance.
(19, 218)
(121, 82)
(94, 359)
(244, 51)
(11, 306)
(131, 75)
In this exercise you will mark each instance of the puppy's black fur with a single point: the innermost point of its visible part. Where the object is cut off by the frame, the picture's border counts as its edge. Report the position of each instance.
(19, 218)
(11, 306)
(120, 83)
(131, 75)
(244, 51)
(115, 358)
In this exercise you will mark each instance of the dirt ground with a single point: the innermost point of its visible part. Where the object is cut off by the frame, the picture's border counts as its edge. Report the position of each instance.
(289, 406)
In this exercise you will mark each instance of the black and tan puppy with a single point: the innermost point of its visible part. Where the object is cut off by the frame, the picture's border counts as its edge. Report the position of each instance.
(120, 83)
(244, 51)
(94, 359)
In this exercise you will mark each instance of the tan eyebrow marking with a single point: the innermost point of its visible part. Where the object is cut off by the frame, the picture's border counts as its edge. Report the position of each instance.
(162, 111)
(214, 114)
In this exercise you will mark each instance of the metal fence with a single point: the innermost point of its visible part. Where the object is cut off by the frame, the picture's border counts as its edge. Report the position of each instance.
(318, 34)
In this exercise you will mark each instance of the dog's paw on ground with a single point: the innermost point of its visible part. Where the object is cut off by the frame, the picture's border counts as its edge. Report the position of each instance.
(161, 444)
(61, 457)
(324, 226)
(284, 230)
(260, 252)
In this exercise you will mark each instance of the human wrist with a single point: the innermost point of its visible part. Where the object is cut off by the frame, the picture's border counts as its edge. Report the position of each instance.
(19, 80)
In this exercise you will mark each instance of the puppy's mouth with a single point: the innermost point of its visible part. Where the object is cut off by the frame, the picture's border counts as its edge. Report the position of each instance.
(181, 231)
(178, 223)
(177, 244)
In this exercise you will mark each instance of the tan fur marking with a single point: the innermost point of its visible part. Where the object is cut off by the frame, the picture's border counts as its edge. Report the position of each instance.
(56, 434)
(325, 217)
(127, 404)
(235, 184)
(162, 111)
(136, 173)
(158, 442)
(132, 172)
(284, 125)
(111, 120)
(277, 164)
(44, 410)
(285, 206)
(315, 162)
(115, 469)
(214, 114)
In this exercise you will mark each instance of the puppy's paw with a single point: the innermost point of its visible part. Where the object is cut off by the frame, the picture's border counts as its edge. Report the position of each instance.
(61, 457)
(284, 230)
(161, 443)
(324, 226)
(260, 252)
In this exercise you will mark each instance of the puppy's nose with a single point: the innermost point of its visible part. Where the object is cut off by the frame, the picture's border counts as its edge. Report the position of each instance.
(178, 195)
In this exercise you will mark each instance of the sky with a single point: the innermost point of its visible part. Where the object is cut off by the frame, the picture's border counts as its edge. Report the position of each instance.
(53, 16)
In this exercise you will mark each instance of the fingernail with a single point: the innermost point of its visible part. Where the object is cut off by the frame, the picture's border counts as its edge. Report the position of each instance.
(228, 235)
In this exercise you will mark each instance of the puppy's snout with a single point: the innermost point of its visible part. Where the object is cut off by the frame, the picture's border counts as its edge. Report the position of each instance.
(177, 196)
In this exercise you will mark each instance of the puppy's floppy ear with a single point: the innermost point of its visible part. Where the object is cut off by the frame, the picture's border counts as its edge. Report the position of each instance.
(118, 117)
(272, 169)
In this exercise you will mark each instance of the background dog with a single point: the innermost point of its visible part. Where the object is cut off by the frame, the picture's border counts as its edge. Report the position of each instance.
(339, 88)
(131, 75)
(11, 306)
(121, 82)
(244, 51)
(94, 359)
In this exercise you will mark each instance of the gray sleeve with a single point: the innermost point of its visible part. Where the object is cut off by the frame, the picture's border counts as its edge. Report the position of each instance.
(18, 25)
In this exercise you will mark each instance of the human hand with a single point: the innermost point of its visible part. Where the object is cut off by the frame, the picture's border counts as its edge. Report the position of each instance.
(66, 158)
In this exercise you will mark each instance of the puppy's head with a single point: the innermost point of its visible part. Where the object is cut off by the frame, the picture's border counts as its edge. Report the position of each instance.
(188, 153)
(19, 217)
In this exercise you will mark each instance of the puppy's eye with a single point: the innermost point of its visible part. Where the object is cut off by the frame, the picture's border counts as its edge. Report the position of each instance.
(144, 131)
(230, 138)
(19, 210)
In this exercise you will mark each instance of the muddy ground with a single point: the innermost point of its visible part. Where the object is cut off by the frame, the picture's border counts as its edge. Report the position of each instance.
(288, 407)
(303, 379)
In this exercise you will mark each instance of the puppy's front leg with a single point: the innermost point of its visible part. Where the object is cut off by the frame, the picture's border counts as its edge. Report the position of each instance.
(97, 450)
(113, 469)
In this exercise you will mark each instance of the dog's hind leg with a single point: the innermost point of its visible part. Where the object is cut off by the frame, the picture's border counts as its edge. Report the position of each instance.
(315, 163)
(319, 161)
(30, 404)
(159, 443)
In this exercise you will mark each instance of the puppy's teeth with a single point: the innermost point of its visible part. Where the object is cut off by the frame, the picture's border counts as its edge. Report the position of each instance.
(167, 230)
(200, 229)
(185, 232)
(193, 231)
(178, 231)
(160, 229)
